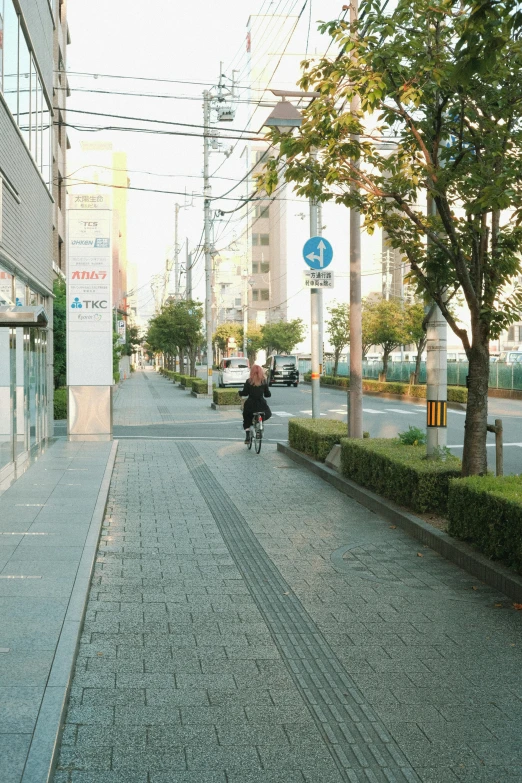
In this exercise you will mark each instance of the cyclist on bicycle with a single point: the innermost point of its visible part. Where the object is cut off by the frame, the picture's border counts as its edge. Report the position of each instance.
(255, 390)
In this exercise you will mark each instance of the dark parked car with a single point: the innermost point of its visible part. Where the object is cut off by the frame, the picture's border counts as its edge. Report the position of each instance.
(282, 369)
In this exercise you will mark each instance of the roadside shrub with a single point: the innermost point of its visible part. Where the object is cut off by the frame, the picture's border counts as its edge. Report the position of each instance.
(413, 436)
(400, 473)
(185, 381)
(457, 394)
(315, 437)
(116, 376)
(487, 511)
(199, 385)
(226, 397)
(60, 403)
(307, 376)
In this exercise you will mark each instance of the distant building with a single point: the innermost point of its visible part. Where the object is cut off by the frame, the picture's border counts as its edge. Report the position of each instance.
(26, 228)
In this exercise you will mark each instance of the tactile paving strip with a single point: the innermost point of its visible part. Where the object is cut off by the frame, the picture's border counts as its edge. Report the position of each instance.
(361, 746)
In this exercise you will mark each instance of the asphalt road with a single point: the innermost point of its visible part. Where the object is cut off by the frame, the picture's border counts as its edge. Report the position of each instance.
(381, 417)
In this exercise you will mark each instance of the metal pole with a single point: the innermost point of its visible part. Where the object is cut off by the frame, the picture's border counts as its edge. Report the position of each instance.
(355, 396)
(319, 208)
(245, 315)
(208, 258)
(315, 330)
(436, 375)
(499, 447)
(188, 278)
(176, 253)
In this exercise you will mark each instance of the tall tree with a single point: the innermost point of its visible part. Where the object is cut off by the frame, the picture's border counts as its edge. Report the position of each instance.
(338, 328)
(283, 336)
(415, 328)
(385, 327)
(224, 332)
(59, 333)
(421, 131)
(254, 340)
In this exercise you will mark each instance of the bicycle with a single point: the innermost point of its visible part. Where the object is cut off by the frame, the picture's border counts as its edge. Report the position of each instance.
(256, 432)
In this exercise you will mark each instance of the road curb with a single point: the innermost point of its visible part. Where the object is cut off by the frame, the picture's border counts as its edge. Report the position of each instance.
(42, 756)
(458, 552)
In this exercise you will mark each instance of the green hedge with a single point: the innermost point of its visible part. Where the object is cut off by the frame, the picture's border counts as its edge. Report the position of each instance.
(226, 397)
(455, 393)
(200, 385)
(60, 403)
(185, 380)
(116, 376)
(315, 437)
(400, 473)
(487, 510)
(168, 374)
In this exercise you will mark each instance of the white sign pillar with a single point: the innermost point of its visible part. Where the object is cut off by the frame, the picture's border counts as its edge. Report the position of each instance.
(89, 318)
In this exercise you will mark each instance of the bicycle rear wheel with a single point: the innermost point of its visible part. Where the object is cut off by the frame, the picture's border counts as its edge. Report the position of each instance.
(252, 436)
(259, 440)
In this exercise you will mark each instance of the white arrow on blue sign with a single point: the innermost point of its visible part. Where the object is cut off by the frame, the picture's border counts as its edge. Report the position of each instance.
(317, 252)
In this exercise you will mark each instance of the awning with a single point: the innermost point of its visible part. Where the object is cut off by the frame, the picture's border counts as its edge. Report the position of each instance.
(23, 316)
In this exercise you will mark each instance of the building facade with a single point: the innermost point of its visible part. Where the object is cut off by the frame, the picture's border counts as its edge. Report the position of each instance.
(26, 229)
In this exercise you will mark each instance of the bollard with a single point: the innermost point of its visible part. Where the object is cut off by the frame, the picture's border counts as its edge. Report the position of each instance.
(498, 429)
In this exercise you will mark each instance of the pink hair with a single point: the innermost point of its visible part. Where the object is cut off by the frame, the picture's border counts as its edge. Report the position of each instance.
(257, 375)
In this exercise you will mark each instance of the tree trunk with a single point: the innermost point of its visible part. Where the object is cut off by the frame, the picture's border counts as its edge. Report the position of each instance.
(336, 362)
(385, 357)
(417, 365)
(474, 458)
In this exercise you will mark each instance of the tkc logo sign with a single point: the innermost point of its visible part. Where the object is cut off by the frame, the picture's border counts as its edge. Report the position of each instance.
(89, 304)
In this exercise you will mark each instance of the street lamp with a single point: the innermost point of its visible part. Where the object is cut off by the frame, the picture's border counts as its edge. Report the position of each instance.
(285, 117)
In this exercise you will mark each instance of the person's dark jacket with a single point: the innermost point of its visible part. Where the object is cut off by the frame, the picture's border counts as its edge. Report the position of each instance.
(256, 402)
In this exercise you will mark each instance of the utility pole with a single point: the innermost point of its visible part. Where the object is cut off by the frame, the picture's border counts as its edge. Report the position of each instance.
(436, 374)
(188, 273)
(355, 397)
(176, 253)
(208, 257)
(319, 208)
(315, 304)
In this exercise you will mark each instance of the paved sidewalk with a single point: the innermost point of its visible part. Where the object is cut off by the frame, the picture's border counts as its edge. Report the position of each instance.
(49, 524)
(247, 623)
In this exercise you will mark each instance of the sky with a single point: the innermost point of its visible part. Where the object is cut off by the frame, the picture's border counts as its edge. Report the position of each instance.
(173, 49)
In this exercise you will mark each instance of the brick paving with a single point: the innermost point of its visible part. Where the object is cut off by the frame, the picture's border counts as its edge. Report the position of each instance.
(247, 623)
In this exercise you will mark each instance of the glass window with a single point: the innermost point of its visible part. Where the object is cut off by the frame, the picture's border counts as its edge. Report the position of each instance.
(264, 239)
(255, 295)
(6, 288)
(255, 268)
(255, 239)
(237, 302)
(238, 362)
(33, 110)
(264, 294)
(265, 267)
(24, 90)
(20, 293)
(45, 157)
(10, 61)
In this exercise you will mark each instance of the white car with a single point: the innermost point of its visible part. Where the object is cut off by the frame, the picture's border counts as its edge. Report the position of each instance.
(233, 371)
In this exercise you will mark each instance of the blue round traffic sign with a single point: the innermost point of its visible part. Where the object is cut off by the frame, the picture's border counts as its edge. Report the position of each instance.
(317, 252)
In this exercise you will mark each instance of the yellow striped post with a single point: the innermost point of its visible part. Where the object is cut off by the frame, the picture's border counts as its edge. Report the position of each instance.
(437, 413)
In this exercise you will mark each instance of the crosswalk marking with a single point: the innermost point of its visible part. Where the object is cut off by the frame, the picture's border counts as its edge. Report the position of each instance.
(309, 413)
(459, 413)
(404, 413)
(371, 410)
(337, 411)
(283, 413)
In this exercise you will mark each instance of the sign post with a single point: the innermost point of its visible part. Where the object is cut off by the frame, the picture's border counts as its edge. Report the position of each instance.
(89, 318)
(318, 254)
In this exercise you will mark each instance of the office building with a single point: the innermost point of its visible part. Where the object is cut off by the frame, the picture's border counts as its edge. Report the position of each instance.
(26, 228)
